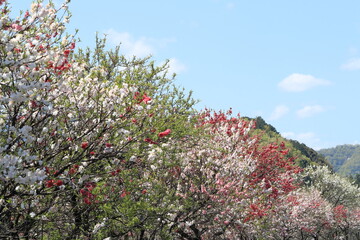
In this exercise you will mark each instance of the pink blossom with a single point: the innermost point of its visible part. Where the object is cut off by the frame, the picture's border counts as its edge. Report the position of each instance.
(17, 27)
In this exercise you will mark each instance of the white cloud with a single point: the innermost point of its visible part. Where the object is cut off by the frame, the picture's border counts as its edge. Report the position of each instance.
(139, 47)
(175, 66)
(300, 82)
(352, 64)
(309, 111)
(130, 46)
(279, 112)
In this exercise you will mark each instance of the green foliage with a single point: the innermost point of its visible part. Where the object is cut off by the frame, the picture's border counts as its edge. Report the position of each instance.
(344, 158)
(351, 165)
(355, 178)
(311, 154)
(261, 124)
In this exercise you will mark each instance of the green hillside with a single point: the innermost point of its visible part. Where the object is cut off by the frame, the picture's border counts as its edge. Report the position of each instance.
(304, 155)
(344, 158)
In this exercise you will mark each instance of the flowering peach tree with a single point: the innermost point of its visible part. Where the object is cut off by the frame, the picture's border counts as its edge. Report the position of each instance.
(229, 182)
(96, 146)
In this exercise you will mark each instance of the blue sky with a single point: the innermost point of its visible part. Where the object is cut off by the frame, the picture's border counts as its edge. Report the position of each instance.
(294, 63)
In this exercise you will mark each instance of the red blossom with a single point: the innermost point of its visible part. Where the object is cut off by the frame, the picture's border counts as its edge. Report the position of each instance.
(67, 52)
(124, 193)
(87, 201)
(90, 186)
(145, 99)
(72, 171)
(136, 95)
(84, 145)
(58, 183)
(149, 140)
(83, 192)
(340, 213)
(41, 48)
(49, 183)
(164, 133)
(47, 170)
(113, 173)
(33, 104)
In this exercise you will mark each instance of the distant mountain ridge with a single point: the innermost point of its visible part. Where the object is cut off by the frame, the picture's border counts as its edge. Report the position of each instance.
(344, 158)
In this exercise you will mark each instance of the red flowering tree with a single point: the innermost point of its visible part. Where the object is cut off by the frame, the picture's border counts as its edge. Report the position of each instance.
(229, 183)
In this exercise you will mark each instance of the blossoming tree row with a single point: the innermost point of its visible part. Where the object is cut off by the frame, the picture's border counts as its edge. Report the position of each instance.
(97, 146)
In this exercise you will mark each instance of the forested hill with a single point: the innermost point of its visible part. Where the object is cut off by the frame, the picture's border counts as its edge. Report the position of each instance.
(305, 155)
(344, 158)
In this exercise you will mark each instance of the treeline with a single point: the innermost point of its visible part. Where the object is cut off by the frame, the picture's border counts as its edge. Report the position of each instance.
(344, 158)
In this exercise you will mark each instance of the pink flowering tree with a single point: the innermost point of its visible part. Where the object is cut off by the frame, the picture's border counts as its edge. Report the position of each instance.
(302, 214)
(229, 183)
(325, 207)
(342, 194)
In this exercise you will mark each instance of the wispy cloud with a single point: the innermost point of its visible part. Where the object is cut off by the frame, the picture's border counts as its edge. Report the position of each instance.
(175, 66)
(300, 82)
(129, 45)
(352, 64)
(279, 112)
(139, 47)
(309, 111)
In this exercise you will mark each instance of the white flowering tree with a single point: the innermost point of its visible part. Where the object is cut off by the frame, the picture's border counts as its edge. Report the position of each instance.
(75, 131)
(336, 189)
